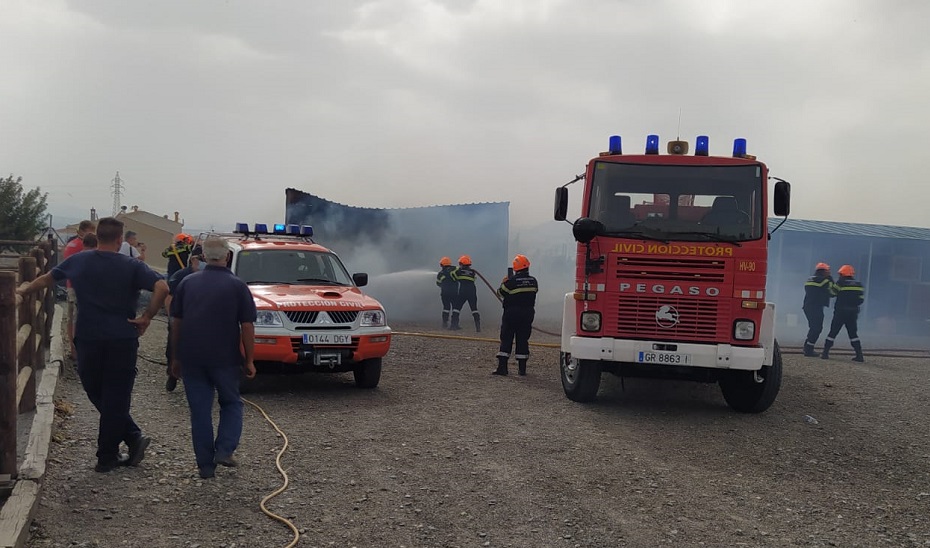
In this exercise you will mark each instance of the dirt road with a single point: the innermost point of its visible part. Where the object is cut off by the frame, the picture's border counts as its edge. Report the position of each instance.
(444, 454)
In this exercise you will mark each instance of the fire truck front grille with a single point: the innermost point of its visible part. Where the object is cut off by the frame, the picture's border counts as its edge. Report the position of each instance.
(664, 318)
(671, 269)
(335, 317)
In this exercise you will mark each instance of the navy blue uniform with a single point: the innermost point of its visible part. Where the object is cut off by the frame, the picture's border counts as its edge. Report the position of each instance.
(448, 291)
(818, 290)
(519, 301)
(849, 297)
(107, 286)
(465, 275)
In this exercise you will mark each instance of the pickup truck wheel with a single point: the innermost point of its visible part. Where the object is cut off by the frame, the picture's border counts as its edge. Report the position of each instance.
(580, 378)
(368, 373)
(744, 393)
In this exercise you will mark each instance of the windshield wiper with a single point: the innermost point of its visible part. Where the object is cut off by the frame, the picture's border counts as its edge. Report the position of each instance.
(267, 282)
(321, 281)
(713, 236)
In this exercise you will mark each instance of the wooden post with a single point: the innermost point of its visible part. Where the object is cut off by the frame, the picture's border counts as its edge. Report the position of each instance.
(27, 315)
(51, 248)
(39, 320)
(8, 373)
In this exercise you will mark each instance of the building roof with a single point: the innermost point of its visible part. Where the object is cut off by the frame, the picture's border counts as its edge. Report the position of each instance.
(852, 229)
(150, 219)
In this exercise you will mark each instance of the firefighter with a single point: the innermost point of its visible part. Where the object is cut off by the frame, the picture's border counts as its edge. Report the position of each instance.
(178, 252)
(448, 288)
(818, 290)
(518, 291)
(465, 276)
(849, 296)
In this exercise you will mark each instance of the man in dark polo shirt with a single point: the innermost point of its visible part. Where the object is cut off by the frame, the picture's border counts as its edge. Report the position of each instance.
(107, 332)
(212, 314)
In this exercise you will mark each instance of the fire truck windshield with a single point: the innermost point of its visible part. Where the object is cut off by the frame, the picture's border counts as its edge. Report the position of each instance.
(274, 266)
(678, 202)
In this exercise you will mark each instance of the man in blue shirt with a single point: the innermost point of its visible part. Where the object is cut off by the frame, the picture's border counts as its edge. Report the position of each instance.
(194, 263)
(106, 337)
(212, 317)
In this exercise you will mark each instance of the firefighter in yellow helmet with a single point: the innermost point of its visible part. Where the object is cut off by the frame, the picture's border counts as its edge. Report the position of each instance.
(849, 297)
(818, 290)
(448, 288)
(465, 276)
(518, 291)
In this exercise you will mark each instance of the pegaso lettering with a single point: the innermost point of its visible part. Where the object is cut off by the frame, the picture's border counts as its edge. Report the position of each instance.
(662, 289)
(674, 249)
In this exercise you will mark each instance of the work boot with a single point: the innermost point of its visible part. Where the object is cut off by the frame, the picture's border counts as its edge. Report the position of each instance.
(454, 324)
(477, 323)
(827, 344)
(445, 319)
(522, 365)
(857, 346)
(501, 366)
(809, 349)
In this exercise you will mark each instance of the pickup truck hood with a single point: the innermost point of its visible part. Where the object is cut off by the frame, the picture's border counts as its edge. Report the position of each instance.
(310, 297)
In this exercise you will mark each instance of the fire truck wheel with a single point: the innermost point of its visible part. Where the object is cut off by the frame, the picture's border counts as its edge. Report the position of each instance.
(368, 373)
(580, 378)
(744, 394)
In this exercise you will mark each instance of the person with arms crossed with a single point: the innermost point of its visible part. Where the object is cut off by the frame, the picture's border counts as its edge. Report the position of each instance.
(212, 314)
(107, 333)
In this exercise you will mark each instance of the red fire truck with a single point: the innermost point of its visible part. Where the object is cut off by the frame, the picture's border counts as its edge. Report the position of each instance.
(670, 272)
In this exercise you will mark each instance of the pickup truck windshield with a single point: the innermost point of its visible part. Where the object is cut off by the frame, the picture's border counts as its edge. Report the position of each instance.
(691, 203)
(284, 266)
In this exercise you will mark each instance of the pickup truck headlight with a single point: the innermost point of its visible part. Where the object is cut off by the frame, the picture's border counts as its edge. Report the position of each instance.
(268, 318)
(744, 330)
(590, 321)
(371, 318)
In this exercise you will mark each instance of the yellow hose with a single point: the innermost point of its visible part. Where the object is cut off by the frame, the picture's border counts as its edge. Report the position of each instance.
(279, 490)
(463, 338)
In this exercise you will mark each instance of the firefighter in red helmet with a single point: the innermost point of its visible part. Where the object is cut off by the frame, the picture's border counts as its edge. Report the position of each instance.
(448, 288)
(465, 275)
(849, 297)
(518, 291)
(818, 290)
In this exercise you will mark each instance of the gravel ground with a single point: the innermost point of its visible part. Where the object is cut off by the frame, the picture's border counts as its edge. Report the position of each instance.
(444, 454)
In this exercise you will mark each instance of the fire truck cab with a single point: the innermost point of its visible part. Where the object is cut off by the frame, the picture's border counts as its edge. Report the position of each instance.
(312, 316)
(670, 272)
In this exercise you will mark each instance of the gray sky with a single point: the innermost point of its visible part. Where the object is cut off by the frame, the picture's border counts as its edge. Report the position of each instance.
(213, 108)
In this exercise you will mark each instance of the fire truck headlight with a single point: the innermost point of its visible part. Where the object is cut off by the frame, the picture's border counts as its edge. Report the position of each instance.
(371, 318)
(268, 318)
(590, 321)
(744, 330)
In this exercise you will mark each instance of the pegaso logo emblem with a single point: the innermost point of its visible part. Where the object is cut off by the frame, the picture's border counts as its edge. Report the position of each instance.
(323, 318)
(667, 316)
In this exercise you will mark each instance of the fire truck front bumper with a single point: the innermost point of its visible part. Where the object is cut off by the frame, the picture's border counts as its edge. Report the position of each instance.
(660, 353)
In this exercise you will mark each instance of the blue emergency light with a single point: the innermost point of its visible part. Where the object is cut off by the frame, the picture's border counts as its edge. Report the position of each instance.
(652, 144)
(702, 147)
(261, 228)
(293, 230)
(739, 147)
(614, 146)
(280, 228)
(306, 231)
(241, 228)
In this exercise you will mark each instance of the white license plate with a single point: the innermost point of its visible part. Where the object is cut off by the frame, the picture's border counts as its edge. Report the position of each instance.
(326, 338)
(664, 358)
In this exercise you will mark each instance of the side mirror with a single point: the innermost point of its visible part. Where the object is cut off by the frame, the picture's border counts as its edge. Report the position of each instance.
(561, 203)
(585, 229)
(782, 198)
(360, 279)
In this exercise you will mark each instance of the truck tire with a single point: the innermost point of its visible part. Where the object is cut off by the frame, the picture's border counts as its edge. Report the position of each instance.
(744, 394)
(580, 378)
(368, 373)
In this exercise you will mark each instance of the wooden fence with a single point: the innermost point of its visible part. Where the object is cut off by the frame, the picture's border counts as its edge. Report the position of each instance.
(25, 334)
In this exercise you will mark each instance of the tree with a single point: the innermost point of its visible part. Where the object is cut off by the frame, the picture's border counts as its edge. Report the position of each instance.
(22, 215)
